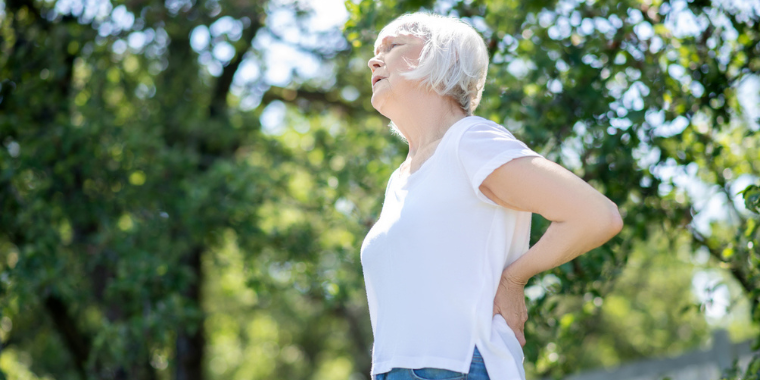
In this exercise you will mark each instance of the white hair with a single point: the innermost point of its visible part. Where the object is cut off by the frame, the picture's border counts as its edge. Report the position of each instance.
(454, 58)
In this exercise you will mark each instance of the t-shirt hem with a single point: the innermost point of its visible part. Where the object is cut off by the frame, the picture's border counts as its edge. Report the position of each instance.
(414, 362)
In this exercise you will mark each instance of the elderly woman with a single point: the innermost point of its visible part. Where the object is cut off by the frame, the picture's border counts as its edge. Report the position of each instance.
(446, 263)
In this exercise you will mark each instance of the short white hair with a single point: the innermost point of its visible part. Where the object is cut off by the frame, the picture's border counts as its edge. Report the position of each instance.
(454, 58)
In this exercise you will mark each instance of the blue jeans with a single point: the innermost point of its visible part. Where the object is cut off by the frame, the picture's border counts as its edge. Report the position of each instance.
(477, 372)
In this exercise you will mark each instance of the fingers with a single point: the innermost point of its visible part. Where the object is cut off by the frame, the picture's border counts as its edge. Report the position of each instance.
(520, 334)
(517, 327)
(516, 313)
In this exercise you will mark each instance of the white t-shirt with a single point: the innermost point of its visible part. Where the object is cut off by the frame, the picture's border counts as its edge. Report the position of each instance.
(433, 260)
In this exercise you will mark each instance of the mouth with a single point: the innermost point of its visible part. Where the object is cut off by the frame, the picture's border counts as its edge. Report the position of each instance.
(375, 80)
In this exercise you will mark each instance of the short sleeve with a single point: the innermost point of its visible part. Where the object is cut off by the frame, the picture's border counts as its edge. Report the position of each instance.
(483, 148)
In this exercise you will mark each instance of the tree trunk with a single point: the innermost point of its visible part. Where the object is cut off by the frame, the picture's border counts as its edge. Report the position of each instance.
(190, 344)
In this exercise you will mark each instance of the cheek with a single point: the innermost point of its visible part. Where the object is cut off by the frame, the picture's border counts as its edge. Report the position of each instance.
(396, 69)
(406, 60)
(404, 63)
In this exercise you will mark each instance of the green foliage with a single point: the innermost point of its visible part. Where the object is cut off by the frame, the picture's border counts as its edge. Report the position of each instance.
(151, 229)
(752, 372)
(751, 198)
(647, 312)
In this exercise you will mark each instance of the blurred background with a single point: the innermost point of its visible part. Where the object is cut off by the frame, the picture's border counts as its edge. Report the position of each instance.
(185, 184)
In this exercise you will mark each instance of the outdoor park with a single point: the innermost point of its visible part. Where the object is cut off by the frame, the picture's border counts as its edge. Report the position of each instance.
(185, 185)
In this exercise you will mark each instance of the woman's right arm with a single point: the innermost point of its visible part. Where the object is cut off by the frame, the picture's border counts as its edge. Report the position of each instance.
(582, 219)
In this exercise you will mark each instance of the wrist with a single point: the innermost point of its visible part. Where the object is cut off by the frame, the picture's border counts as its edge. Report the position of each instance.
(513, 278)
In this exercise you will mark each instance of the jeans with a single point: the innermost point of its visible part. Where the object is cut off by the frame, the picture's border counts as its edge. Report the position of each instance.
(477, 372)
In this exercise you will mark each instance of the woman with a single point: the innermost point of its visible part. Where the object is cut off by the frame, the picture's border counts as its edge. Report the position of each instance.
(446, 263)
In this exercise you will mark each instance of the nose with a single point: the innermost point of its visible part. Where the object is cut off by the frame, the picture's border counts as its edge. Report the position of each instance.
(374, 63)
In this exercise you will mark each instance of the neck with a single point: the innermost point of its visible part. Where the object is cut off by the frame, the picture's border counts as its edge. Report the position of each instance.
(422, 129)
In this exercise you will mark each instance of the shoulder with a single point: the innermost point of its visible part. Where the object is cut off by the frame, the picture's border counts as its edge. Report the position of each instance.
(477, 138)
(480, 133)
(484, 141)
(477, 129)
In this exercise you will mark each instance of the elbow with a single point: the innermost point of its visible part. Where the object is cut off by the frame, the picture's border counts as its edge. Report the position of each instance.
(602, 221)
(615, 222)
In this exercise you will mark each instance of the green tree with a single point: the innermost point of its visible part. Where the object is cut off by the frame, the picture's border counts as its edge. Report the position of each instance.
(151, 228)
(613, 91)
(119, 173)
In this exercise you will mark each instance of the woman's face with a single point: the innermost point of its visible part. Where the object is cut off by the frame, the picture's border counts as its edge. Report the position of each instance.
(389, 89)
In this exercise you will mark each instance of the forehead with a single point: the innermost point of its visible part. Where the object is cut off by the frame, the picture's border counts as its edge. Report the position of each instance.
(384, 38)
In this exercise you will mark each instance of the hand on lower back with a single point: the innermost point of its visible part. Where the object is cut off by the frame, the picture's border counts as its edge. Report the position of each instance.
(510, 303)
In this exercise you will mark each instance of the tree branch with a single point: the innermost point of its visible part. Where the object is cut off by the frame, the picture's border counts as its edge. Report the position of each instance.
(306, 49)
(190, 345)
(219, 98)
(717, 253)
(290, 95)
(78, 344)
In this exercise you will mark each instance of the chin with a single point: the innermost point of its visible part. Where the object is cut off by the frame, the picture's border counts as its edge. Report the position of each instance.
(378, 104)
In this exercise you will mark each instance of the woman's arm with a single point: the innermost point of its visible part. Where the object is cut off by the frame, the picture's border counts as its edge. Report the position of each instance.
(582, 219)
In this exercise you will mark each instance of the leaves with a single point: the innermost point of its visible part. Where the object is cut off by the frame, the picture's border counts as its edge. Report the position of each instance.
(751, 195)
(139, 186)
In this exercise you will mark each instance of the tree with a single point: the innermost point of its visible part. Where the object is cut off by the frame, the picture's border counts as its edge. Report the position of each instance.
(151, 228)
(614, 92)
(120, 171)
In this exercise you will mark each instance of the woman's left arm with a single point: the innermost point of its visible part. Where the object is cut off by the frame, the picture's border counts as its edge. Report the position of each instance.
(582, 219)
